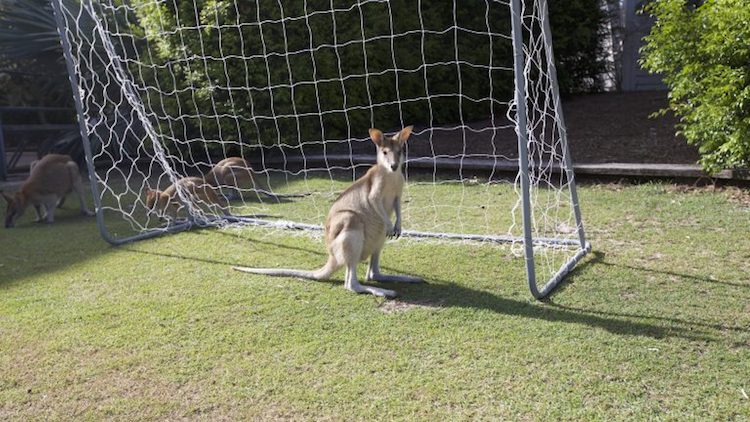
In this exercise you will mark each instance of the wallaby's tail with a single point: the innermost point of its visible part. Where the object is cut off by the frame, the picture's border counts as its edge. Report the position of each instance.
(281, 195)
(323, 273)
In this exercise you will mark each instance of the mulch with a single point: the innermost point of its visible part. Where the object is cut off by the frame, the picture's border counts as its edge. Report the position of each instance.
(617, 128)
(602, 128)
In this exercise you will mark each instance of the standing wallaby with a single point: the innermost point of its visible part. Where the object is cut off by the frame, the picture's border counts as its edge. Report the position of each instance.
(233, 174)
(53, 177)
(360, 220)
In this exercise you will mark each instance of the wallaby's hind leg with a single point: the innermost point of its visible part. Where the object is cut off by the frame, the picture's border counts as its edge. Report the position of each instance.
(49, 206)
(374, 274)
(39, 214)
(347, 248)
(254, 188)
(221, 204)
(232, 187)
(78, 188)
(240, 177)
(352, 284)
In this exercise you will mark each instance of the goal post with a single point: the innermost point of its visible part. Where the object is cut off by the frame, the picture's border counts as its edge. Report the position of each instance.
(167, 92)
(519, 60)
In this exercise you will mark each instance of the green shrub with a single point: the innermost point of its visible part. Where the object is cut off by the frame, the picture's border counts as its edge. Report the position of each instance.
(577, 37)
(257, 79)
(196, 87)
(702, 49)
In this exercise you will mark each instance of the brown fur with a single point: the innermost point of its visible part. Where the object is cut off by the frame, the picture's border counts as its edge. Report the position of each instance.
(166, 203)
(231, 172)
(359, 221)
(51, 178)
(233, 175)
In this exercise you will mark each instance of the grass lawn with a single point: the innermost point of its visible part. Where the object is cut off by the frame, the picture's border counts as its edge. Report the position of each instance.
(655, 324)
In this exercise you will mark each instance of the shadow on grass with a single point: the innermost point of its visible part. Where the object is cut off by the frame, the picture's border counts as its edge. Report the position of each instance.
(705, 325)
(447, 294)
(252, 199)
(31, 249)
(676, 274)
(597, 257)
(592, 258)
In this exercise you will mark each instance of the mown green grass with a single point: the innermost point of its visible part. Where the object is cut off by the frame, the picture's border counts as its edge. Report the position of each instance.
(653, 325)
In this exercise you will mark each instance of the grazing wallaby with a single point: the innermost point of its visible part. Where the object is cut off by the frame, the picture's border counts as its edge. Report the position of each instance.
(233, 173)
(31, 168)
(166, 203)
(360, 220)
(53, 177)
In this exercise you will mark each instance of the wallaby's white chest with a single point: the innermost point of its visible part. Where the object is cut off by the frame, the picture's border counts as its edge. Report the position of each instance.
(385, 187)
(392, 187)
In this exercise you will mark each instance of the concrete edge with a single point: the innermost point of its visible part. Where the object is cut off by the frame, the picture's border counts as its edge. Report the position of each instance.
(682, 171)
(689, 171)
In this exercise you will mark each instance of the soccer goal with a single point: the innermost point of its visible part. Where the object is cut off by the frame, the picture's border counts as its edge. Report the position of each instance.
(232, 113)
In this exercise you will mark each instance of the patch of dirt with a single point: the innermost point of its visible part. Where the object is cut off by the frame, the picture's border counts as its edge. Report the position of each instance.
(738, 195)
(735, 194)
(616, 127)
(602, 128)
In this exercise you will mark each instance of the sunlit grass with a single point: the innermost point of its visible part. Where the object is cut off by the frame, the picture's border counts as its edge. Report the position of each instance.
(653, 325)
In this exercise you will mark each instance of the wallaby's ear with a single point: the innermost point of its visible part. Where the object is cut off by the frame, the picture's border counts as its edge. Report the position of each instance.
(376, 136)
(404, 134)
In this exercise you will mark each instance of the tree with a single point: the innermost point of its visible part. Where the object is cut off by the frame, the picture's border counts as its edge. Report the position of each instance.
(702, 49)
(33, 71)
(257, 78)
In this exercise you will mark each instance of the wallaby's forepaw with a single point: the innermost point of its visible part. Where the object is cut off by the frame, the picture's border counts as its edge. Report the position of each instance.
(88, 213)
(394, 231)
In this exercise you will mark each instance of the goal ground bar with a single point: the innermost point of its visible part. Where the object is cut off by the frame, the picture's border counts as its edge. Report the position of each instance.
(282, 224)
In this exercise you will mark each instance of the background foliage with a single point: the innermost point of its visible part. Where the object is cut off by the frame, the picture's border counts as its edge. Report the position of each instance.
(702, 49)
(196, 88)
(32, 71)
(578, 38)
(282, 83)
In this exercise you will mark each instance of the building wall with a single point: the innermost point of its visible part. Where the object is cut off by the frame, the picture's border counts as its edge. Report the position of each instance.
(635, 78)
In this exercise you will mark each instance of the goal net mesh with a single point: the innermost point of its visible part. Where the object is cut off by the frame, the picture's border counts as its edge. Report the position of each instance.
(169, 88)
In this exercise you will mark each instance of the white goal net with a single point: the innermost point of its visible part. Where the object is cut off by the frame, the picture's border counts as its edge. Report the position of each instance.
(168, 90)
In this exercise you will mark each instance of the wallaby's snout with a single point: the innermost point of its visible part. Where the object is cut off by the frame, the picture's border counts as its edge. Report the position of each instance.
(390, 157)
